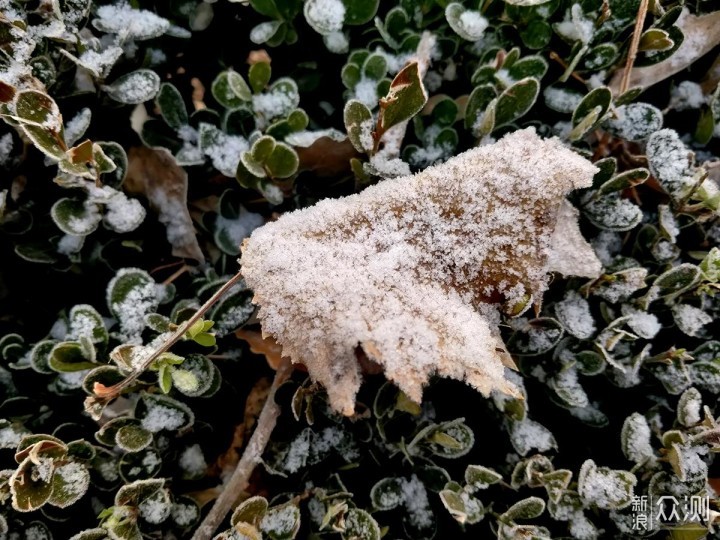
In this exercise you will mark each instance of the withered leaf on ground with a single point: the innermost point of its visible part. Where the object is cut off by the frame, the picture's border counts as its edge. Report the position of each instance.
(154, 173)
(702, 34)
(413, 269)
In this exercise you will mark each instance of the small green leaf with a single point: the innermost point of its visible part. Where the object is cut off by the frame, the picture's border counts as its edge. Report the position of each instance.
(360, 525)
(624, 180)
(281, 522)
(479, 477)
(133, 438)
(375, 67)
(537, 34)
(259, 76)
(165, 378)
(69, 483)
(359, 125)
(387, 494)
(282, 162)
(360, 11)
(468, 24)
(529, 508)
(516, 101)
(135, 87)
(613, 213)
(251, 511)
(230, 89)
(599, 97)
(171, 105)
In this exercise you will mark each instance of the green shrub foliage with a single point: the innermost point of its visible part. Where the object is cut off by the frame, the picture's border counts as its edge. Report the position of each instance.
(140, 144)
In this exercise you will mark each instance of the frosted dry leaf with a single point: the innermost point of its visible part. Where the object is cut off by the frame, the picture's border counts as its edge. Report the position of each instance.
(409, 272)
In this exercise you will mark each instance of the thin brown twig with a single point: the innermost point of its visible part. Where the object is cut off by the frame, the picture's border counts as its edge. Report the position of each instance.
(634, 44)
(249, 460)
(179, 272)
(113, 391)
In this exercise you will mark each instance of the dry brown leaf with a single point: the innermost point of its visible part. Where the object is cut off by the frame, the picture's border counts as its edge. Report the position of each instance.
(266, 346)
(154, 173)
(411, 270)
(702, 34)
(326, 157)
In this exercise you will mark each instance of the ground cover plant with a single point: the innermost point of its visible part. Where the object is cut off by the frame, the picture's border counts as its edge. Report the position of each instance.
(353, 269)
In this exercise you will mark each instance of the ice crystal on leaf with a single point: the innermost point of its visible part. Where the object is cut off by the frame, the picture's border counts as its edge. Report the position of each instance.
(411, 271)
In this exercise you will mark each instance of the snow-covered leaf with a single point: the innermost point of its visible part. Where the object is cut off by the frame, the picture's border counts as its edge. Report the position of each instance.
(135, 87)
(281, 260)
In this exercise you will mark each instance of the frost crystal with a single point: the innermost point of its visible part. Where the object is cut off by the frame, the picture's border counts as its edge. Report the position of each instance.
(408, 270)
(130, 23)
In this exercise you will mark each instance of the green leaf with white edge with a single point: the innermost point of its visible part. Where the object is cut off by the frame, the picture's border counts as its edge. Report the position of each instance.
(605, 488)
(360, 525)
(516, 101)
(528, 508)
(230, 89)
(261, 149)
(454, 503)
(133, 438)
(40, 357)
(157, 413)
(251, 510)
(406, 98)
(535, 337)
(37, 108)
(282, 162)
(135, 87)
(28, 489)
(655, 39)
(479, 99)
(70, 482)
(91, 534)
(674, 282)
(259, 76)
(636, 121)
(281, 522)
(601, 56)
(232, 312)
(84, 320)
(613, 213)
(624, 180)
(136, 492)
(40, 119)
(466, 23)
(165, 380)
(323, 19)
(530, 66)
(360, 11)
(69, 356)
(186, 381)
(387, 494)
(171, 105)
(451, 439)
(710, 266)
(132, 294)
(115, 153)
(689, 407)
(537, 34)
(598, 97)
(359, 125)
(265, 31)
(479, 477)
(375, 67)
